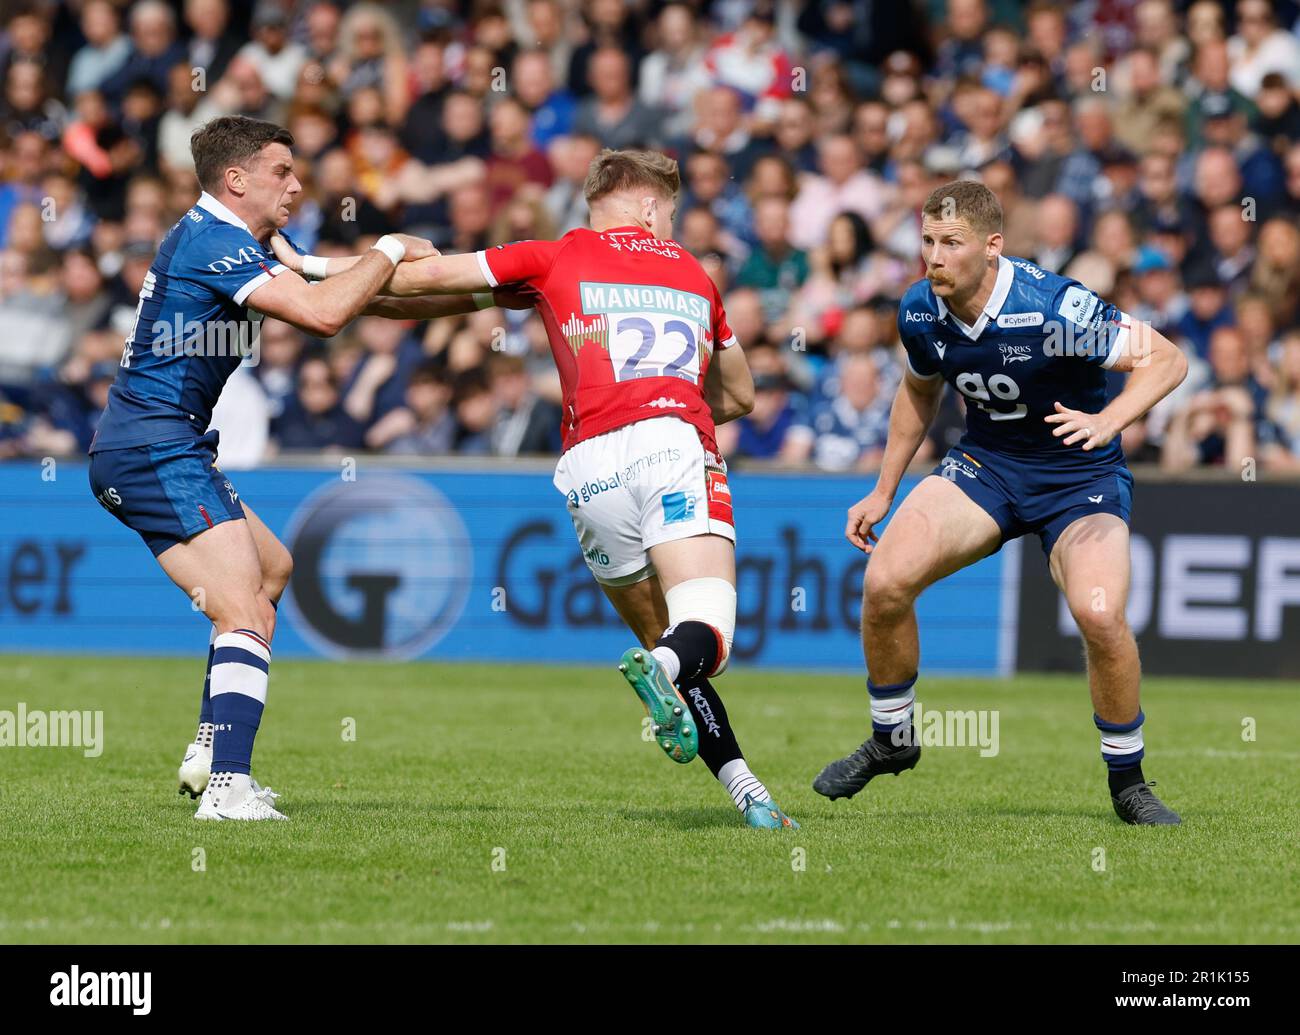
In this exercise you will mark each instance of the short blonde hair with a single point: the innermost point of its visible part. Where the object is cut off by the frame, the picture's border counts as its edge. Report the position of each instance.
(968, 200)
(631, 170)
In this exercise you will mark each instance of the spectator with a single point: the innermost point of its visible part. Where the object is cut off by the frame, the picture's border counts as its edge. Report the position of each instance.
(777, 427)
(793, 134)
(1227, 419)
(843, 186)
(612, 113)
(212, 45)
(1058, 227)
(315, 420)
(524, 424)
(551, 109)
(378, 381)
(514, 159)
(708, 186)
(774, 268)
(673, 74)
(752, 62)
(154, 50)
(1146, 100)
(851, 428)
(721, 129)
(424, 424)
(370, 54)
(1261, 47)
(476, 412)
(105, 51)
(571, 158)
(1284, 408)
(847, 271)
(278, 58)
(178, 123)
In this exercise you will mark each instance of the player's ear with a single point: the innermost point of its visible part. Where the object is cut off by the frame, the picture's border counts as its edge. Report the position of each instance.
(993, 247)
(236, 179)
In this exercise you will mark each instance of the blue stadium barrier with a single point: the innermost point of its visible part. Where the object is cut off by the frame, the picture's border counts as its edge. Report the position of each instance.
(454, 563)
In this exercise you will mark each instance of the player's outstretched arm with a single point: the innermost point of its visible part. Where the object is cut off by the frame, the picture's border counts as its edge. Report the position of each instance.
(434, 306)
(431, 274)
(729, 386)
(325, 309)
(1155, 367)
(914, 409)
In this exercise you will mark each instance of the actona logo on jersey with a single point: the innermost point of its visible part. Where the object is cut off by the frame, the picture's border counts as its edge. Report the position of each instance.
(1009, 320)
(911, 317)
(642, 298)
(1015, 353)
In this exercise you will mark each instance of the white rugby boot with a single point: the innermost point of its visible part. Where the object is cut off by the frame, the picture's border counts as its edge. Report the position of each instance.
(195, 769)
(237, 796)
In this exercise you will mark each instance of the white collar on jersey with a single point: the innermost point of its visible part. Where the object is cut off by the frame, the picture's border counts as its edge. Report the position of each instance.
(210, 204)
(1002, 288)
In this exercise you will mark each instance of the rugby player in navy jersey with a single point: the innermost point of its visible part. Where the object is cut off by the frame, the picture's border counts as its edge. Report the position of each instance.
(1029, 351)
(152, 458)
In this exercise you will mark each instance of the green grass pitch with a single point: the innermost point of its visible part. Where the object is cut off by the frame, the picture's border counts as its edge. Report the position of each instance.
(499, 803)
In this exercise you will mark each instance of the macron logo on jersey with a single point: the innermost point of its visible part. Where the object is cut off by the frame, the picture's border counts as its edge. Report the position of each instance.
(941, 349)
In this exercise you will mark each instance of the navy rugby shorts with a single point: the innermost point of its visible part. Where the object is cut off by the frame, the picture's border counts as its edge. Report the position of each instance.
(1027, 495)
(166, 492)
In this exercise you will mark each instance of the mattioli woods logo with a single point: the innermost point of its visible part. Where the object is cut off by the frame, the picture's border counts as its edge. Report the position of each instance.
(382, 567)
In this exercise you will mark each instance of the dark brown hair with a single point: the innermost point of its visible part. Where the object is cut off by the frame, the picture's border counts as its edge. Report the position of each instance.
(231, 140)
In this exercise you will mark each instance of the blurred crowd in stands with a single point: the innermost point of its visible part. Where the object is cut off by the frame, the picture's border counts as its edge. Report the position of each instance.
(1149, 148)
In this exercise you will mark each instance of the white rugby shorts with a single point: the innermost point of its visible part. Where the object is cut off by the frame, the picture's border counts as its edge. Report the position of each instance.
(638, 486)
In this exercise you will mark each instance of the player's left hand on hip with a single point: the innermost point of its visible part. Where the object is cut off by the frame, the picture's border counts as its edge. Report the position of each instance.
(1091, 430)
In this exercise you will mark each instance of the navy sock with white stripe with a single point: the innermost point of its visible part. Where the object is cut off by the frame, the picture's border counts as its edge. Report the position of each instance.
(1122, 750)
(891, 709)
(241, 662)
(204, 735)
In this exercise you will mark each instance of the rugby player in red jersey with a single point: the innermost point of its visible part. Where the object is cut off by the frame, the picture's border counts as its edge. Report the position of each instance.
(648, 366)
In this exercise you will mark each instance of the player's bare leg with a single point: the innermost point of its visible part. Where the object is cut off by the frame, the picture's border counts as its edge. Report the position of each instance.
(937, 530)
(277, 566)
(1090, 564)
(221, 570)
(694, 589)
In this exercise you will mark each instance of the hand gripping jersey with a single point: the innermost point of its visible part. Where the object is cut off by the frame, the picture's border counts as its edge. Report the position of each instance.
(632, 321)
(1041, 339)
(192, 329)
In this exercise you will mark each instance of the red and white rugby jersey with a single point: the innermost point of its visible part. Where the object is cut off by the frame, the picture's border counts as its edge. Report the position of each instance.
(632, 320)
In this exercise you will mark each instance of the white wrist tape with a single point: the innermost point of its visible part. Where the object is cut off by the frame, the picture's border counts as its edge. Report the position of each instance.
(392, 247)
(314, 266)
(708, 600)
(483, 300)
